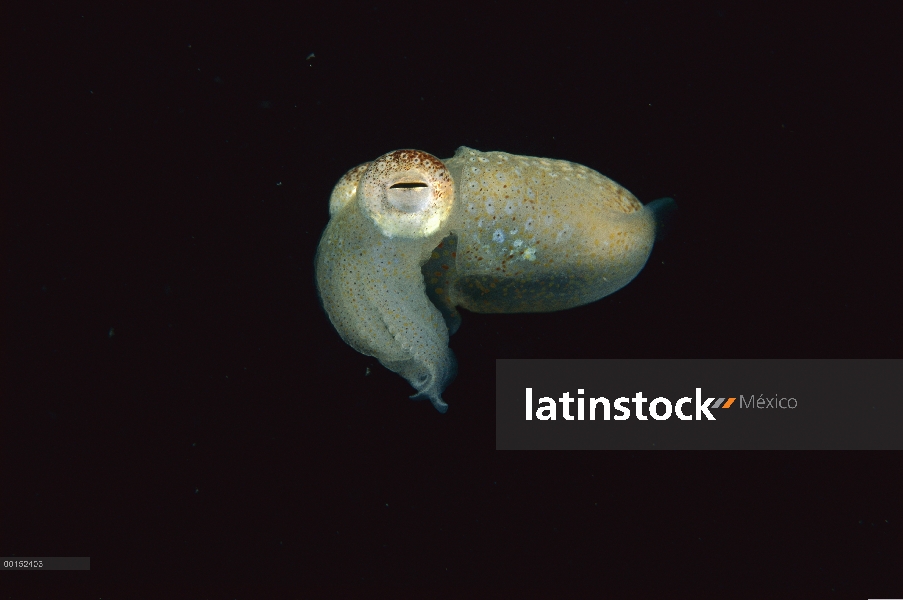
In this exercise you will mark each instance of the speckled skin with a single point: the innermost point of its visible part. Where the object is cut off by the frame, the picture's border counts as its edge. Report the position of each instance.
(411, 238)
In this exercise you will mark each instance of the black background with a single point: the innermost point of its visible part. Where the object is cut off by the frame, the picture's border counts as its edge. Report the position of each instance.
(169, 169)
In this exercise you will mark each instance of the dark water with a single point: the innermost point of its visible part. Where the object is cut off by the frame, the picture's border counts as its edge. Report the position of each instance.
(179, 408)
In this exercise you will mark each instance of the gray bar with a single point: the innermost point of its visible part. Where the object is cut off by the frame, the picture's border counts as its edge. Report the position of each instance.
(42, 563)
(700, 404)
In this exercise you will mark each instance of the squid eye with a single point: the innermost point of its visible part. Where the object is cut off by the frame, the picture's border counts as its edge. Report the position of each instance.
(407, 193)
(410, 197)
(346, 189)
